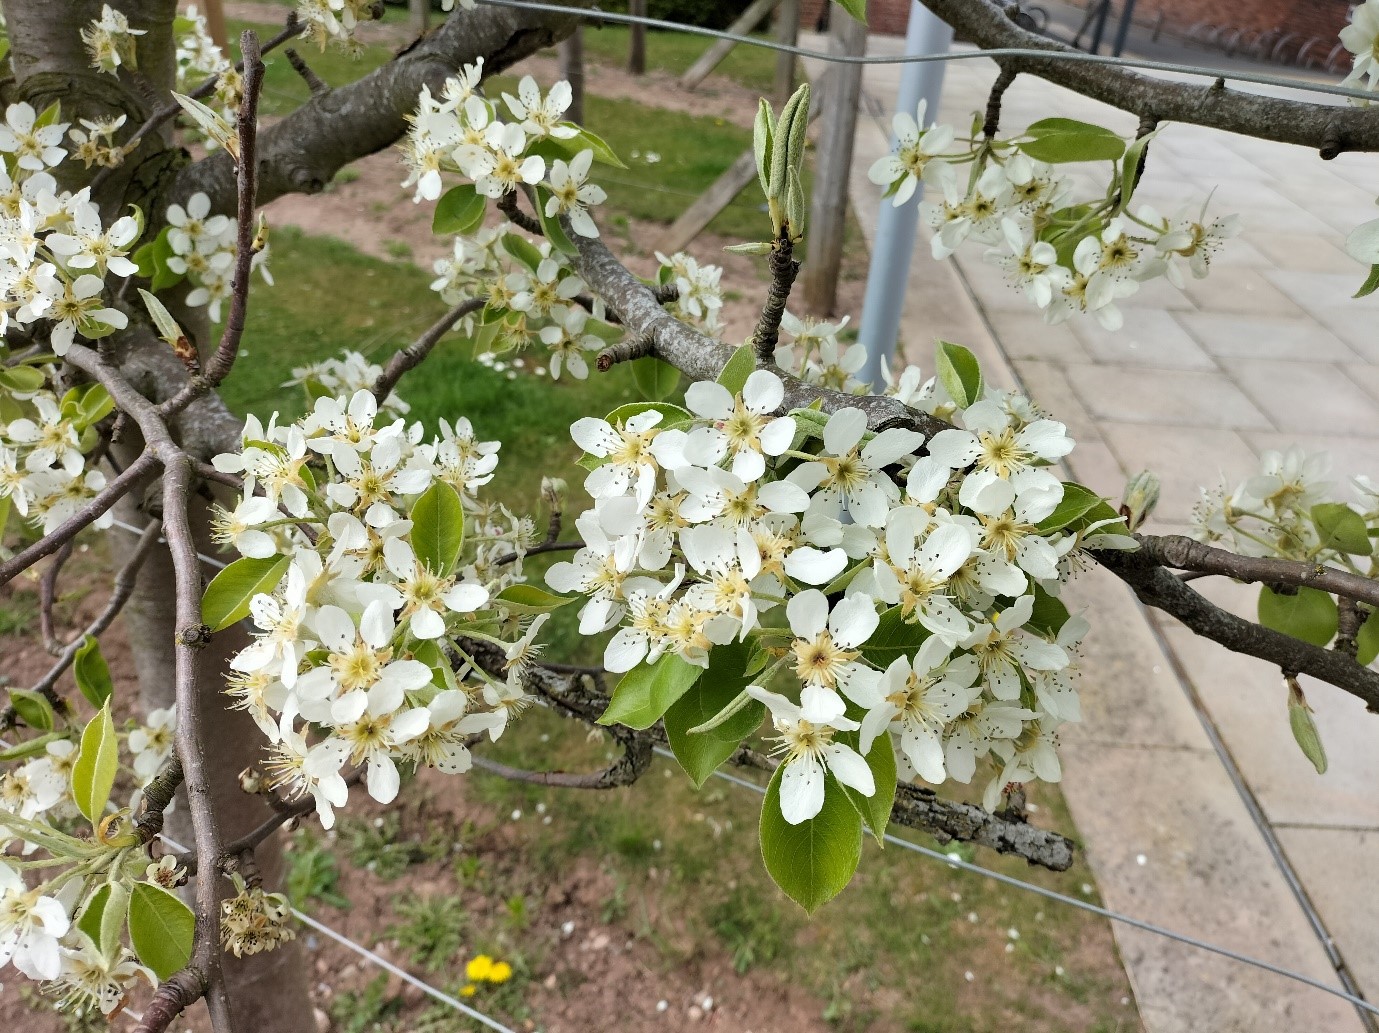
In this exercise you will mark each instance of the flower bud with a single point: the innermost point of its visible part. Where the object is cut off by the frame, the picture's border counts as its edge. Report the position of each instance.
(251, 781)
(1141, 496)
(553, 492)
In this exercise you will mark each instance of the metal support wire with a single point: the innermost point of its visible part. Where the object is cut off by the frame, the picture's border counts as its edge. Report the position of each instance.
(1096, 909)
(958, 55)
(381, 962)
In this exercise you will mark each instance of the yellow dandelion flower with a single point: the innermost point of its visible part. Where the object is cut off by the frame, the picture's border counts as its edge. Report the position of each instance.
(501, 972)
(468, 990)
(479, 968)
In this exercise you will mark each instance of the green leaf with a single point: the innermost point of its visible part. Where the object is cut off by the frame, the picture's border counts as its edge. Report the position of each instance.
(33, 709)
(92, 672)
(530, 599)
(1049, 614)
(95, 404)
(550, 225)
(1340, 527)
(1367, 640)
(730, 671)
(522, 249)
(161, 929)
(1129, 168)
(89, 921)
(603, 154)
(1077, 502)
(893, 637)
(738, 368)
(656, 380)
(813, 861)
(228, 595)
(1058, 140)
(93, 774)
(438, 527)
(1308, 614)
(460, 210)
(114, 912)
(648, 690)
(1370, 285)
(959, 373)
(152, 260)
(31, 747)
(856, 8)
(22, 379)
(1305, 732)
(875, 809)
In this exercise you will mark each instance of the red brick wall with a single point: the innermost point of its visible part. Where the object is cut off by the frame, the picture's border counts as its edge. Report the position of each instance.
(1323, 18)
(888, 17)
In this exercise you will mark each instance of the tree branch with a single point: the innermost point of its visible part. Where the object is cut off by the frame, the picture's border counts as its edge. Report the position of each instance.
(1183, 553)
(410, 357)
(302, 153)
(1326, 128)
(784, 268)
(1158, 587)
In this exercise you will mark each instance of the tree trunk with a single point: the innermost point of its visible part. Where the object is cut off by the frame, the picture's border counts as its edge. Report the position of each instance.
(268, 992)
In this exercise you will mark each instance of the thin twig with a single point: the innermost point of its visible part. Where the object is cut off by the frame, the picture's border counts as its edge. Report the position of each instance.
(314, 82)
(626, 350)
(82, 518)
(47, 593)
(507, 204)
(992, 125)
(218, 367)
(410, 357)
(784, 269)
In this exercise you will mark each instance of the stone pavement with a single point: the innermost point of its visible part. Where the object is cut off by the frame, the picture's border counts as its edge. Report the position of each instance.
(1268, 351)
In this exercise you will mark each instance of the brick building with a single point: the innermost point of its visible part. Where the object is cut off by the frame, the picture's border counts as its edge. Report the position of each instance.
(1323, 18)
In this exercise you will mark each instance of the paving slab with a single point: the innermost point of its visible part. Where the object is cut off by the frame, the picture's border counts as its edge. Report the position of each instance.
(1184, 458)
(1306, 397)
(1231, 335)
(1173, 397)
(1150, 337)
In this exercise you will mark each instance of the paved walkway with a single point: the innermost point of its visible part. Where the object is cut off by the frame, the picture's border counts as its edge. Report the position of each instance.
(1268, 352)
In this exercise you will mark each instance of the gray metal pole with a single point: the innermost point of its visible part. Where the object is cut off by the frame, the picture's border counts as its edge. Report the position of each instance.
(897, 228)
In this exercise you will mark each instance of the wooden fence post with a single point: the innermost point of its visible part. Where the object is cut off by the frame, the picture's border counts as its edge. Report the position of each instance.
(636, 39)
(829, 203)
(709, 60)
(788, 33)
(572, 70)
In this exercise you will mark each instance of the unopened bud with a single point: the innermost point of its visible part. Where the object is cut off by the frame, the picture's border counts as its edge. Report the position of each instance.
(553, 492)
(251, 781)
(117, 830)
(1141, 496)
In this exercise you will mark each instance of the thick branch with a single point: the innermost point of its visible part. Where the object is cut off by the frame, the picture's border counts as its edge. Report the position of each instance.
(302, 153)
(578, 694)
(1183, 553)
(1158, 587)
(702, 357)
(1328, 129)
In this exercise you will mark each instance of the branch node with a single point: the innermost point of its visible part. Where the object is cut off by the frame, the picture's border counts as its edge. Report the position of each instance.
(625, 351)
(507, 204)
(194, 635)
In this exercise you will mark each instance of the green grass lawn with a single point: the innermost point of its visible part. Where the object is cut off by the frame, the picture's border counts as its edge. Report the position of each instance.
(674, 52)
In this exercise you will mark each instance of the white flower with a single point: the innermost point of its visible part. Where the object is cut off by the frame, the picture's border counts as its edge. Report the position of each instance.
(33, 148)
(90, 978)
(629, 450)
(920, 695)
(542, 117)
(1030, 264)
(993, 441)
(300, 768)
(31, 924)
(852, 473)
(498, 167)
(826, 644)
(238, 528)
(922, 557)
(424, 596)
(152, 743)
(1361, 38)
(1002, 647)
(915, 159)
(806, 740)
(571, 196)
(744, 422)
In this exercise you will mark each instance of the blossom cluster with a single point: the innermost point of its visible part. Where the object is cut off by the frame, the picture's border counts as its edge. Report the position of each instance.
(110, 42)
(335, 21)
(1274, 512)
(1067, 256)
(56, 251)
(723, 523)
(343, 377)
(202, 247)
(199, 58)
(356, 661)
(44, 476)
